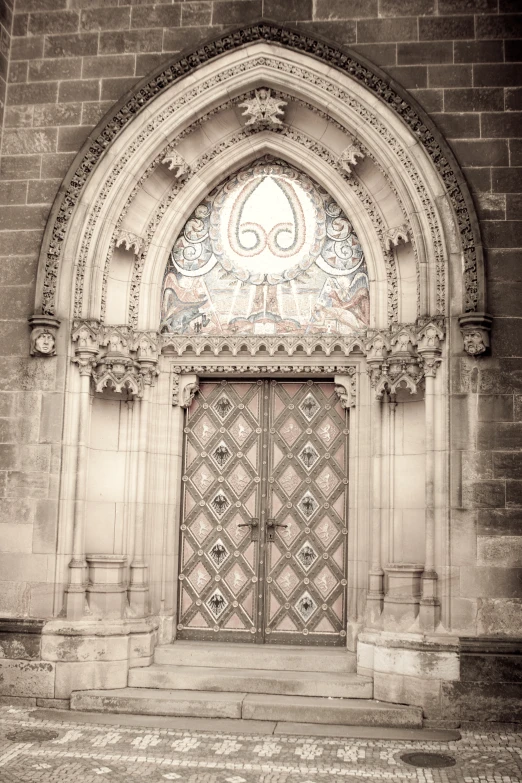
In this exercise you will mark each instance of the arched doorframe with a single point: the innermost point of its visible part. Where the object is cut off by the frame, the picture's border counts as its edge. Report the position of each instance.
(108, 176)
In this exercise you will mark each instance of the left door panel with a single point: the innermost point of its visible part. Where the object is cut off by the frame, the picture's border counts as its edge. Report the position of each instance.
(219, 597)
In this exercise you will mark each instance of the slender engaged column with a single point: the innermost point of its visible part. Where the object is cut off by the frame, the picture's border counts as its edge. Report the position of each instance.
(392, 407)
(138, 586)
(75, 591)
(429, 605)
(185, 388)
(375, 594)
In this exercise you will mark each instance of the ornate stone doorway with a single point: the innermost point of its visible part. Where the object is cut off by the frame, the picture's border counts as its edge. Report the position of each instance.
(264, 528)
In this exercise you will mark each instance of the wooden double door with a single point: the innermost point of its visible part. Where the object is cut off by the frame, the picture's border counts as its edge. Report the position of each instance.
(263, 548)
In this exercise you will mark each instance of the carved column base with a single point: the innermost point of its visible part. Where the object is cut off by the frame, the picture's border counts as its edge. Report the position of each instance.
(401, 603)
(374, 598)
(138, 592)
(429, 610)
(107, 586)
(74, 603)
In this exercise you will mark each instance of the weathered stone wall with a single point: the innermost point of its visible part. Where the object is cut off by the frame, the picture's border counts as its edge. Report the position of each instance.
(69, 61)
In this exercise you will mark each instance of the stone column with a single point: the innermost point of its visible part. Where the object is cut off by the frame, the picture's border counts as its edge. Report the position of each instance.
(185, 387)
(138, 583)
(375, 595)
(86, 351)
(429, 351)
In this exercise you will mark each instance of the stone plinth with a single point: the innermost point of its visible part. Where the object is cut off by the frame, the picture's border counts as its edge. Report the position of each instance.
(401, 602)
(107, 587)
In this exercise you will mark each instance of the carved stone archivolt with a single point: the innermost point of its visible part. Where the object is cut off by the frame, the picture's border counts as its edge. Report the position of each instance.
(293, 41)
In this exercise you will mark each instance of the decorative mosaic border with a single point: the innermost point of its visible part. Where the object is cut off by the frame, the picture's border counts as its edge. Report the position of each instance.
(291, 40)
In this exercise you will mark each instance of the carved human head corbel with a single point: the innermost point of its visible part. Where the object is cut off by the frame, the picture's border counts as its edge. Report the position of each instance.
(43, 335)
(475, 329)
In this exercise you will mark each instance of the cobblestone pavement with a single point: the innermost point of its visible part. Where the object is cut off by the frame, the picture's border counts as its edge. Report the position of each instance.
(49, 751)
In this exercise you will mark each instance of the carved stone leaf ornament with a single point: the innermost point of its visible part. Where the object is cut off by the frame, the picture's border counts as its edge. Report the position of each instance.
(128, 240)
(263, 110)
(293, 41)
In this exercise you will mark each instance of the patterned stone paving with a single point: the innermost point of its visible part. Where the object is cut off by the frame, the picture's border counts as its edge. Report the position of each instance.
(91, 753)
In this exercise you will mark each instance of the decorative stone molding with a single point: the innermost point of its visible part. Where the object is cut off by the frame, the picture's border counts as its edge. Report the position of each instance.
(475, 329)
(348, 157)
(85, 335)
(346, 387)
(263, 110)
(119, 373)
(128, 240)
(44, 329)
(269, 345)
(127, 365)
(404, 356)
(185, 389)
(176, 164)
(396, 235)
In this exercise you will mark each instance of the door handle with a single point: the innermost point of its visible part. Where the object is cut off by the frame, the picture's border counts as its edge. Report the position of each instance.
(273, 523)
(253, 524)
(250, 523)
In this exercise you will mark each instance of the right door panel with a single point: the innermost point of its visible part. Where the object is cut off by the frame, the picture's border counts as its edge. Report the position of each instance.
(308, 498)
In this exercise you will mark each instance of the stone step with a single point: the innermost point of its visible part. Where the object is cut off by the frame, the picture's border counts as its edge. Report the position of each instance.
(253, 706)
(289, 683)
(273, 657)
(345, 712)
(144, 701)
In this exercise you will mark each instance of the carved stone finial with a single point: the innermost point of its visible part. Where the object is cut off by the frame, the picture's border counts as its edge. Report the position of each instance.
(176, 164)
(348, 157)
(263, 110)
(43, 334)
(396, 235)
(475, 329)
(129, 240)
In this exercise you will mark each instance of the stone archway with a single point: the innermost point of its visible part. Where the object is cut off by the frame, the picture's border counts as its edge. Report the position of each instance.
(125, 201)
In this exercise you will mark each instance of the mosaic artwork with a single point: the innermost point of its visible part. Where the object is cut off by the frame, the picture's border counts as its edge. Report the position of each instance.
(268, 252)
(37, 747)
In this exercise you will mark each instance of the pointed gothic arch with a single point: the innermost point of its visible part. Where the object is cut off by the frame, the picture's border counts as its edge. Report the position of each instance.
(179, 134)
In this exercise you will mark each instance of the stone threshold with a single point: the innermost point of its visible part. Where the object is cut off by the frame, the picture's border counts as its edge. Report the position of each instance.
(237, 726)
